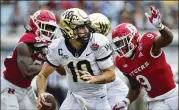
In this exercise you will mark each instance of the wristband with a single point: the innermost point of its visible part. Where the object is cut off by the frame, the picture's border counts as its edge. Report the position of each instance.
(161, 27)
(126, 101)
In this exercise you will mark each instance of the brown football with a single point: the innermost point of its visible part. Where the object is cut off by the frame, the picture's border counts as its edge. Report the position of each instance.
(49, 104)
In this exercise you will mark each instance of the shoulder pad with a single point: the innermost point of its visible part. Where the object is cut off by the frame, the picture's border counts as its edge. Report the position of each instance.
(99, 39)
(28, 37)
(55, 43)
(150, 35)
(148, 38)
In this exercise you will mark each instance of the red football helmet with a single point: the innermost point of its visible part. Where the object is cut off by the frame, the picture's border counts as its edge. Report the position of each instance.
(43, 23)
(124, 39)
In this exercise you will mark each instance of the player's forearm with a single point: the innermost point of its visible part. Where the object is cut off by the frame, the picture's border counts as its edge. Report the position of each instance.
(166, 36)
(105, 77)
(41, 83)
(133, 94)
(60, 69)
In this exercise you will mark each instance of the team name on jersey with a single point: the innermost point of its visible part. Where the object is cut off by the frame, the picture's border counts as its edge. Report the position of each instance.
(139, 69)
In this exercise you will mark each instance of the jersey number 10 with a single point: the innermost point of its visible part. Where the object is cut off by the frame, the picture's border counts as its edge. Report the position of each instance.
(83, 65)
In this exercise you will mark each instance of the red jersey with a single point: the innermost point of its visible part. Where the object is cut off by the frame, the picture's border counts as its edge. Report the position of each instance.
(12, 72)
(152, 72)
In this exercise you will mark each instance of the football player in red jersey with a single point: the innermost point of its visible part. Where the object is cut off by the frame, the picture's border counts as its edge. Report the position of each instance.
(143, 61)
(26, 62)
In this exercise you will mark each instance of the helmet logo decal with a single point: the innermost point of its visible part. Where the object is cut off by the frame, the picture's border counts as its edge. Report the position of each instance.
(70, 15)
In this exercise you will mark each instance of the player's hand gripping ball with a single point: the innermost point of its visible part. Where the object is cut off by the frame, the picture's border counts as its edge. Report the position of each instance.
(49, 103)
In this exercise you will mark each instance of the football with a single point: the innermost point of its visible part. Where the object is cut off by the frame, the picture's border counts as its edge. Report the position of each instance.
(49, 104)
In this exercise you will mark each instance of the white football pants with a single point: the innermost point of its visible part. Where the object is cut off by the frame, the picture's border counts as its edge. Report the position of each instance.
(77, 102)
(170, 102)
(16, 98)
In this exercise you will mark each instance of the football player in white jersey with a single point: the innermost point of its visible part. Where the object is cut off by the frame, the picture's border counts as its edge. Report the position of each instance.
(116, 90)
(87, 61)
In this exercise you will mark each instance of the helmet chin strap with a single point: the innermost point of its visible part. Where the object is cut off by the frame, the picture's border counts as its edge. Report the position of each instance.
(46, 38)
(129, 54)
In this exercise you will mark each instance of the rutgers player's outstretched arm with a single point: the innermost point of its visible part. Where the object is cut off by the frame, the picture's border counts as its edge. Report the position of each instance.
(164, 39)
(25, 61)
(166, 36)
(134, 90)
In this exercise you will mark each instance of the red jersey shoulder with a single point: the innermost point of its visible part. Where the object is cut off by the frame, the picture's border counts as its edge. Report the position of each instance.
(119, 61)
(28, 37)
(31, 38)
(148, 38)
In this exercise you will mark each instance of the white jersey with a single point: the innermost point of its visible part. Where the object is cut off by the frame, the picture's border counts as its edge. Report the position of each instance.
(117, 81)
(94, 57)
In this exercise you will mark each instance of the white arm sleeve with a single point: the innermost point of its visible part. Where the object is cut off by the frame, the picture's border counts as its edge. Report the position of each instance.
(104, 54)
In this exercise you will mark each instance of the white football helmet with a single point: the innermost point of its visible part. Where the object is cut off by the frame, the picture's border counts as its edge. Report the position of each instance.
(100, 23)
(70, 20)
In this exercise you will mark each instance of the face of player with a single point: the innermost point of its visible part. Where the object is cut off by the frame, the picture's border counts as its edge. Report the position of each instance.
(82, 33)
(49, 30)
(123, 47)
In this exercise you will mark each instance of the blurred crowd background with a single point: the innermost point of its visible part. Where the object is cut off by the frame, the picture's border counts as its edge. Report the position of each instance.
(14, 14)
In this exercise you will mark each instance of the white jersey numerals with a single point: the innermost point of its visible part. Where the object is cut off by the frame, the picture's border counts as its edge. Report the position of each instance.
(144, 82)
(83, 65)
(39, 39)
(150, 36)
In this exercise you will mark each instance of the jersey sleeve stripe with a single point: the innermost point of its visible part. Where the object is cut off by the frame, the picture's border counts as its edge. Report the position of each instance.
(50, 63)
(102, 59)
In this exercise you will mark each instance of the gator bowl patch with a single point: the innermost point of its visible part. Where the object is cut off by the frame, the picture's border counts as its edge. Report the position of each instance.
(94, 46)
